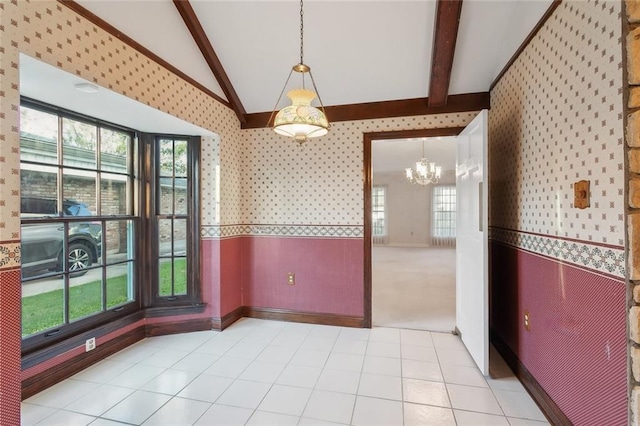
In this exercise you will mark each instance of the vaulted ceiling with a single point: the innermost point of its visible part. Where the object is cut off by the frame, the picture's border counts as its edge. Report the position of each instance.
(369, 58)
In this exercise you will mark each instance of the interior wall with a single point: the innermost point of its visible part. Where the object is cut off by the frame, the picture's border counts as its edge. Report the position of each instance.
(314, 195)
(409, 208)
(50, 32)
(556, 118)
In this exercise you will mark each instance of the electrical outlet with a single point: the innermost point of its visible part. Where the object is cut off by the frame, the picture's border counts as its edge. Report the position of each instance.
(90, 344)
(291, 278)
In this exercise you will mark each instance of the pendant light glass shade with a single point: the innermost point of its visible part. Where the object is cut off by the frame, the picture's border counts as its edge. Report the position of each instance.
(300, 120)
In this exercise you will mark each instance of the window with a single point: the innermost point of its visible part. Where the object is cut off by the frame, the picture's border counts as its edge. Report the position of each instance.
(109, 224)
(444, 213)
(172, 225)
(378, 194)
(77, 222)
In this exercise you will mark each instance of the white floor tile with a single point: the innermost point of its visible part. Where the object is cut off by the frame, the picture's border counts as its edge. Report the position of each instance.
(260, 371)
(518, 404)
(246, 350)
(170, 381)
(67, 418)
(383, 334)
(304, 421)
(373, 411)
(350, 346)
(31, 414)
(274, 353)
(224, 415)
(62, 394)
(354, 333)
(425, 392)
(459, 375)
(228, 366)
(262, 418)
(338, 381)
(105, 422)
(455, 357)
(420, 415)
(383, 349)
(285, 400)
(164, 358)
(416, 337)
(137, 407)
(382, 365)
(99, 400)
(524, 422)
(206, 388)
(345, 362)
(196, 362)
(137, 376)
(244, 394)
(316, 343)
(510, 383)
(330, 406)
(470, 418)
(219, 345)
(103, 371)
(177, 412)
(376, 386)
(419, 353)
(421, 370)
(447, 341)
(325, 331)
(309, 358)
(297, 375)
(473, 399)
(135, 353)
(291, 339)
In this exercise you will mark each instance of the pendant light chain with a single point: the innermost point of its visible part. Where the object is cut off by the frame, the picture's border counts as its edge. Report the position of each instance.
(301, 34)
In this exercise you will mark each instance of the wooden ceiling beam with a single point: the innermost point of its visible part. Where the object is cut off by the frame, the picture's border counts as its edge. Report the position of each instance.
(200, 37)
(387, 109)
(444, 46)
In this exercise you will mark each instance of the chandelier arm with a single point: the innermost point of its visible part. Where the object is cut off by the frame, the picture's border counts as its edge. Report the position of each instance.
(315, 89)
(279, 97)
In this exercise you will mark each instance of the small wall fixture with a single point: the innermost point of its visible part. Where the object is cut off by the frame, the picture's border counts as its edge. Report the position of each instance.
(300, 120)
(581, 194)
(86, 87)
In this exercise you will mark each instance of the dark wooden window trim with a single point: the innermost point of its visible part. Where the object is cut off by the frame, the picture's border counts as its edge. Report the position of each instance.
(368, 138)
(193, 298)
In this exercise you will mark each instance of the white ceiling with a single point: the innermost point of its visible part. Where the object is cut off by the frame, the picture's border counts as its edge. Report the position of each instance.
(395, 155)
(359, 51)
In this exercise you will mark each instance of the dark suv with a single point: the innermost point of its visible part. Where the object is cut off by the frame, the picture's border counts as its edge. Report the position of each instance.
(42, 243)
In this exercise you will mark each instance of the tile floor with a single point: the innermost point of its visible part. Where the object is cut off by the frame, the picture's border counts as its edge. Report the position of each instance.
(277, 373)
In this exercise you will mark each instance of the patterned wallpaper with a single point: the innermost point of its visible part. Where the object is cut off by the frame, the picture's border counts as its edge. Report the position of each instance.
(320, 183)
(556, 118)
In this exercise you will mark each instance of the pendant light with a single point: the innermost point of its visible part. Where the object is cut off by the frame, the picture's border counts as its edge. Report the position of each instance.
(300, 120)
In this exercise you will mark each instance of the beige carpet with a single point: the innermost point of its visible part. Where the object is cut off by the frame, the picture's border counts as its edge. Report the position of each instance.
(414, 288)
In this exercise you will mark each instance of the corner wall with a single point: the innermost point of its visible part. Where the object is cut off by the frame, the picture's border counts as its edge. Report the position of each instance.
(556, 118)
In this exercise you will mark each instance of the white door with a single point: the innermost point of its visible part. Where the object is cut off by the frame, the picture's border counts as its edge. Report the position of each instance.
(472, 275)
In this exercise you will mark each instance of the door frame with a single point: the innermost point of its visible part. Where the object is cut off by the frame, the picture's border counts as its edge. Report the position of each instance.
(368, 138)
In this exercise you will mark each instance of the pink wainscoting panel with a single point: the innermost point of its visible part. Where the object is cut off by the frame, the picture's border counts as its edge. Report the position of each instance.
(230, 274)
(10, 341)
(210, 275)
(576, 348)
(329, 274)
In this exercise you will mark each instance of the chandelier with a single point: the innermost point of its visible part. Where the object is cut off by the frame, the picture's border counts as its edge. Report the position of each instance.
(426, 171)
(300, 120)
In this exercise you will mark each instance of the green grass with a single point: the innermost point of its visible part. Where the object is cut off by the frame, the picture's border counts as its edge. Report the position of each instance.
(45, 310)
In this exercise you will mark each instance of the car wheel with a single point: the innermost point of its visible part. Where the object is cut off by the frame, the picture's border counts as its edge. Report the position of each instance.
(79, 259)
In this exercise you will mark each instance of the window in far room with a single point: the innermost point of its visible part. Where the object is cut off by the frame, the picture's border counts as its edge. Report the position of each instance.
(444, 214)
(378, 194)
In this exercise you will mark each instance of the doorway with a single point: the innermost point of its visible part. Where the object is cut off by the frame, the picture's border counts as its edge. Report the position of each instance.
(410, 266)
